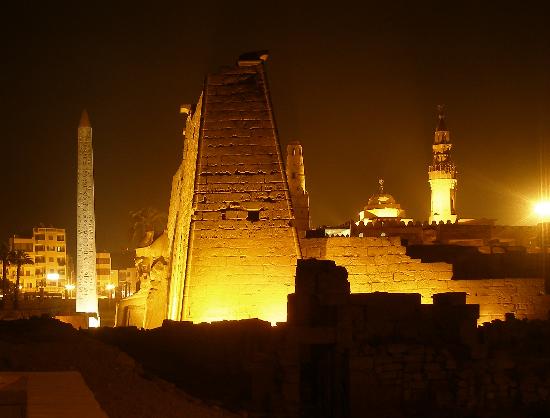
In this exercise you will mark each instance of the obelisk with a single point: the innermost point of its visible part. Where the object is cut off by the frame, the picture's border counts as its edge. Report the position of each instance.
(86, 292)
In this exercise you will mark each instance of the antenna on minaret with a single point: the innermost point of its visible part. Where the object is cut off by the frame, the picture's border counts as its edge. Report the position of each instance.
(381, 188)
(441, 125)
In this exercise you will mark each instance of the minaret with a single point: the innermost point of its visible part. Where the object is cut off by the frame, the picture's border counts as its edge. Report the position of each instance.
(86, 292)
(296, 178)
(442, 175)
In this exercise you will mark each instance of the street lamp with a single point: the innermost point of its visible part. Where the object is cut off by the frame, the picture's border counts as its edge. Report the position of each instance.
(110, 288)
(542, 210)
(70, 287)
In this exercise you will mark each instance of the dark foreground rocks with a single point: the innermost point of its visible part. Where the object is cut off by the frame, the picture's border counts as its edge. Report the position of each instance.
(120, 385)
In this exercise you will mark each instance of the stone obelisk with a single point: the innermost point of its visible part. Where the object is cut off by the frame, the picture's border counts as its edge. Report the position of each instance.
(86, 292)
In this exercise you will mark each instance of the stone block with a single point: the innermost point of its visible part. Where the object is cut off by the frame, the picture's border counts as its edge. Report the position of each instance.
(377, 251)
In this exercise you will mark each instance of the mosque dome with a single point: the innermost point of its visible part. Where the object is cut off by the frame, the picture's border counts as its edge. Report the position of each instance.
(381, 205)
(378, 199)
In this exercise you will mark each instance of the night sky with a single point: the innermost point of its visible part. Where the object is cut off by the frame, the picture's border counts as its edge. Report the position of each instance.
(357, 85)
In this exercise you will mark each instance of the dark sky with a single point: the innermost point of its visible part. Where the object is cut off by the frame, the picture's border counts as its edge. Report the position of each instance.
(357, 85)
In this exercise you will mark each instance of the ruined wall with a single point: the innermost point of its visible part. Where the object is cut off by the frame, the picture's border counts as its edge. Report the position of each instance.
(354, 355)
(381, 265)
(524, 298)
(181, 210)
(242, 248)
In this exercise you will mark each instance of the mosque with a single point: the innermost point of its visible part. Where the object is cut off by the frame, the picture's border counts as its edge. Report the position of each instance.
(239, 221)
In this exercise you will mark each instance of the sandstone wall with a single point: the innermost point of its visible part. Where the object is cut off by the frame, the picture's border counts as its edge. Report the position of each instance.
(381, 265)
(424, 380)
(180, 212)
(524, 298)
(242, 248)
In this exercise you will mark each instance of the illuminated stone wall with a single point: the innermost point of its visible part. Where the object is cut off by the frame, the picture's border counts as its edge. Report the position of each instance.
(239, 258)
(181, 210)
(524, 298)
(381, 265)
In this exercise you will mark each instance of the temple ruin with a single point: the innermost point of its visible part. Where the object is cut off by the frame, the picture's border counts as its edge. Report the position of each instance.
(239, 221)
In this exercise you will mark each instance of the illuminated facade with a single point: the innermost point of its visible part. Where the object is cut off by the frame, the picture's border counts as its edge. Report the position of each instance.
(233, 248)
(103, 273)
(48, 275)
(86, 287)
(442, 176)
(296, 176)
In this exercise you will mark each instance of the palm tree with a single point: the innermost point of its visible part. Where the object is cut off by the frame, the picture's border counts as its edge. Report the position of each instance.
(5, 254)
(19, 258)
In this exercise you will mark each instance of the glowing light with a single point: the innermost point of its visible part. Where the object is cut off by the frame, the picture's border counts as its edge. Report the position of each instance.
(212, 308)
(52, 276)
(93, 322)
(110, 286)
(69, 286)
(542, 209)
(442, 199)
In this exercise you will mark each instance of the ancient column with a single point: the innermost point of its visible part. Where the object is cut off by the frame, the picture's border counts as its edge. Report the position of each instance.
(86, 292)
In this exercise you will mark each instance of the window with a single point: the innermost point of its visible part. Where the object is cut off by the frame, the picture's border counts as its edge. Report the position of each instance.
(28, 247)
(61, 261)
(29, 285)
(60, 249)
(103, 261)
(28, 273)
(38, 248)
(39, 259)
(50, 259)
(50, 237)
(50, 248)
(39, 237)
(61, 238)
(253, 215)
(61, 272)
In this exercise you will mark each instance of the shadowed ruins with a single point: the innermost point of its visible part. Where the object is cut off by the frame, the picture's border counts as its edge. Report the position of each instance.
(343, 355)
